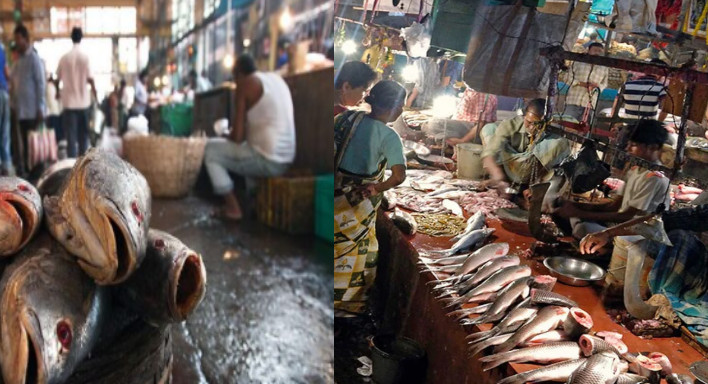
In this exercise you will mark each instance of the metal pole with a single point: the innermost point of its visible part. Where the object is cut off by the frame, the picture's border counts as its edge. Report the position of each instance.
(681, 142)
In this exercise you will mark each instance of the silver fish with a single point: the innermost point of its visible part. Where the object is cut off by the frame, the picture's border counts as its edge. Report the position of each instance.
(464, 312)
(539, 297)
(602, 368)
(591, 345)
(494, 283)
(453, 207)
(404, 221)
(51, 315)
(468, 241)
(507, 296)
(554, 372)
(487, 270)
(102, 216)
(543, 354)
(547, 337)
(662, 360)
(547, 319)
(479, 346)
(679, 379)
(630, 378)
(577, 323)
(474, 223)
(480, 257)
(20, 214)
(513, 321)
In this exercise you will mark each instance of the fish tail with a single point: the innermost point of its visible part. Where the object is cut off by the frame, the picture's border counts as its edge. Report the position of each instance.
(444, 294)
(481, 336)
(493, 361)
(505, 347)
(516, 379)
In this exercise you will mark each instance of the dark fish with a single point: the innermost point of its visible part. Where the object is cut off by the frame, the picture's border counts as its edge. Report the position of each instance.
(169, 284)
(52, 179)
(51, 315)
(577, 323)
(602, 368)
(539, 297)
(102, 216)
(679, 379)
(20, 214)
(404, 221)
(554, 372)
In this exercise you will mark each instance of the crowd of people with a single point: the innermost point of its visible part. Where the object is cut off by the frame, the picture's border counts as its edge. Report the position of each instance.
(33, 96)
(515, 151)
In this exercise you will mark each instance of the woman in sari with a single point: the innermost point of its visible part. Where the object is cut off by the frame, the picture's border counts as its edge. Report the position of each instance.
(365, 148)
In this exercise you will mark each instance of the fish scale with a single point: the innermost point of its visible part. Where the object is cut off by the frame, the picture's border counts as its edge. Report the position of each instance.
(602, 368)
(547, 319)
(554, 372)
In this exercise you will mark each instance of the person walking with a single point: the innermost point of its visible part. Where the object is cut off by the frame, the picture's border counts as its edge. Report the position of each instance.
(6, 167)
(74, 72)
(28, 84)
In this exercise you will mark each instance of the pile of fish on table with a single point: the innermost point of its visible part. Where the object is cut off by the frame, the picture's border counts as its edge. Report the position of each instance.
(532, 324)
(437, 192)
(59, 279)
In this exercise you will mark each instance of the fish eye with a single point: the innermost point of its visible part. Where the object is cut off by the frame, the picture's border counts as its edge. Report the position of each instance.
(23, 188)
(64, 334)
(159, 243)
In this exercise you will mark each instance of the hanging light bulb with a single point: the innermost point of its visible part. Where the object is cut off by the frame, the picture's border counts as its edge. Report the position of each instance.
(349, 47)
(286, 19)
(228, 61)
(165, 80)
(156, 82)
(410, 73)
(246, 43)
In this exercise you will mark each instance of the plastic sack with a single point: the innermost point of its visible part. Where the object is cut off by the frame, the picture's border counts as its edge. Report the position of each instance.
(41, 146)
(417, 40)
(138, 124)
(503, 55)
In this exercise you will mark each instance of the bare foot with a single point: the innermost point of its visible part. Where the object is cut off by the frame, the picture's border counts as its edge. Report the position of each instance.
(232, 215)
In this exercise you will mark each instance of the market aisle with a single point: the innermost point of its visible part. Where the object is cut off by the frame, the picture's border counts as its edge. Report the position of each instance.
(267, 315)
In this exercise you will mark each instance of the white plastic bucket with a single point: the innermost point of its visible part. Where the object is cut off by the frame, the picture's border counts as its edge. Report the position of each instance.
(469, 161)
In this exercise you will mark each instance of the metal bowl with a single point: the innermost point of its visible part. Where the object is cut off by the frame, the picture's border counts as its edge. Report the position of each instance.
(418, 148)
(700, 370)
(573, 271)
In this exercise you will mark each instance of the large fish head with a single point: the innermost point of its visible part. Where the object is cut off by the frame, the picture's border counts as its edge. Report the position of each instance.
(111, 216)
(53, 178)
(20, 214)
(49, 321)
(608, 362)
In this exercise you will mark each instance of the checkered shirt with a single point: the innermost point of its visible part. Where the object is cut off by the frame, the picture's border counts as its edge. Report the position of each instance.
(472, 105)
(585, 73)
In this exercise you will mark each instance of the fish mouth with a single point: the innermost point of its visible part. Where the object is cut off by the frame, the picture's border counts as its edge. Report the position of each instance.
(20, 215)
(124, 252)
(30, 358)
(190, 284)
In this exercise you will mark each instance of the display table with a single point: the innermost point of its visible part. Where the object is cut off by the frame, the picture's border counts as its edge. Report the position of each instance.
(409, 308)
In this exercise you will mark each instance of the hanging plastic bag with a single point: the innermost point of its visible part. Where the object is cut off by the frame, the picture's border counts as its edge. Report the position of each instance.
(41, 146)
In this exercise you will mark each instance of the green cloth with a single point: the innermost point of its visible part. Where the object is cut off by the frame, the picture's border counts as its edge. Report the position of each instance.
(373, 142)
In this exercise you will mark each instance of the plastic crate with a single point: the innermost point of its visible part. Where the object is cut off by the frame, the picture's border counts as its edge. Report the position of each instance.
(287, 203)
(177, 119)
(324, 207)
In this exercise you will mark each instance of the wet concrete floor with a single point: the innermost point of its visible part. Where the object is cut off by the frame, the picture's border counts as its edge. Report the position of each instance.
(267, 315)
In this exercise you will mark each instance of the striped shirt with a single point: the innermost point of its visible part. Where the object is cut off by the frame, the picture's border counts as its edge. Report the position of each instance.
(642, 96)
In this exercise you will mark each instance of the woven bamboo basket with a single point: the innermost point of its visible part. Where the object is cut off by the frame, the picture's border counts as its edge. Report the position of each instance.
(170, 164)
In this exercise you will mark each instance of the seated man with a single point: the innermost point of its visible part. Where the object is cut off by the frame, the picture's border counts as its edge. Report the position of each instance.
(685, 287)
(479, 109)
(643, 192)
(513, 153)
(262, 141)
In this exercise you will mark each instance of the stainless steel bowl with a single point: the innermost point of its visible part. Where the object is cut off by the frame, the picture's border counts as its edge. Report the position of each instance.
(573, 271)
(700, 370)
(418, 148)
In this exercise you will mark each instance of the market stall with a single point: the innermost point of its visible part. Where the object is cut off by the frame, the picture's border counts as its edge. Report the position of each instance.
(410, 307)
